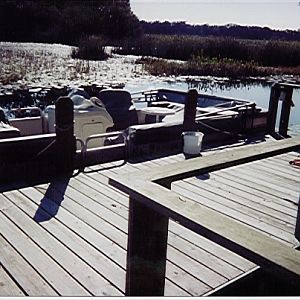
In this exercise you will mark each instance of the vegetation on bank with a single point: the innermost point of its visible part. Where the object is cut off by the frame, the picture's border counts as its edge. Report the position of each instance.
(263, 53)
(199, 66)
(216, 56)
(227, 51)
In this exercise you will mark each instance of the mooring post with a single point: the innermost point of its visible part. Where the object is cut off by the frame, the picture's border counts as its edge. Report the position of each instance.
(285, 111)
(273, 108)
(297, 228)
(146, 251)
(189, 122)
(65, 139)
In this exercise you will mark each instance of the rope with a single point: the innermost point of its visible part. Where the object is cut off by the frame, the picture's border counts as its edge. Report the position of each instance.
(222, 131)
(46, 148)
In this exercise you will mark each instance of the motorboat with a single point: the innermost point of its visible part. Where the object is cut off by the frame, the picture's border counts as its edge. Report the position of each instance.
(146, 121)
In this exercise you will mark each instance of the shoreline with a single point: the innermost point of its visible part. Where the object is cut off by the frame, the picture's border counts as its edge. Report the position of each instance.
(40, 65)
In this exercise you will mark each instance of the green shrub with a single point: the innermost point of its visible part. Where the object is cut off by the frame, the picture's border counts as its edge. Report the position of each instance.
(91, 48)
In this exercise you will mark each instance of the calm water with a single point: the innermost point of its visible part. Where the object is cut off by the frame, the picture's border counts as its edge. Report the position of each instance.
(256, 93)
(278, 14)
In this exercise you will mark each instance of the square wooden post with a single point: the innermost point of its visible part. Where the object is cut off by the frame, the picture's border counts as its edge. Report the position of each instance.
(190, 108)
(65, 139)
(285, 111)
(146, 251)
(273, 108)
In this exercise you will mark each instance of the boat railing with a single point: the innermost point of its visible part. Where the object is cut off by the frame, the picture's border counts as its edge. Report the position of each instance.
(145, 96)
(110, 151)
(246, 106)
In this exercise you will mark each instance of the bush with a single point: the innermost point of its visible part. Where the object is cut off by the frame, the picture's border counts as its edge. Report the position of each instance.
(91, 48)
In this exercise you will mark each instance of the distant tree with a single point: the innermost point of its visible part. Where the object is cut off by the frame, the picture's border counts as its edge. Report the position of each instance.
(229, 30)
(65, 21)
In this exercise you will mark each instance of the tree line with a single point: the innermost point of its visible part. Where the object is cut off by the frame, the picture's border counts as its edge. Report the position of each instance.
(230, 30)
(65, 21)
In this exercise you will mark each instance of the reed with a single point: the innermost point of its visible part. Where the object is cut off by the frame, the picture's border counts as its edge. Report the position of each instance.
(36, 63)
(263, 53)
(198, 66)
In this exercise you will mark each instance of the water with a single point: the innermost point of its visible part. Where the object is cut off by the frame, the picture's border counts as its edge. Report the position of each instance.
(257, 93)
(276, 14)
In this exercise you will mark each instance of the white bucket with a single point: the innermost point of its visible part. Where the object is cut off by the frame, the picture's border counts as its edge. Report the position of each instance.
(192, 142)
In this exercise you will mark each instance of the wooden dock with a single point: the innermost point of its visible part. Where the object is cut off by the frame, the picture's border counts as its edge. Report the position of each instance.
(69, 237)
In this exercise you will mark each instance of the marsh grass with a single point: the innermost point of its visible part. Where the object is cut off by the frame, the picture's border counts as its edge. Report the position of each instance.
(206, 67)
(263, 53)
(211, 56)
(36, 64)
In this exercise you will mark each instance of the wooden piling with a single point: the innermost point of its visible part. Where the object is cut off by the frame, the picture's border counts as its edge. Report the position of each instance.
(273, 108)
(146, 251)
(65, 139)
(285, 112)
(189, 123)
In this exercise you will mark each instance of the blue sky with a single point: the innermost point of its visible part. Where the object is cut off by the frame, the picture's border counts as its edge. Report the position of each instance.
(276, 14)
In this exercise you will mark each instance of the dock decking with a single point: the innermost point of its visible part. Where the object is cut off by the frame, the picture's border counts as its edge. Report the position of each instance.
(69, 237)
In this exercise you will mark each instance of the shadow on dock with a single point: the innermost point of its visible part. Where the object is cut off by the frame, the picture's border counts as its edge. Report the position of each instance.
(52, 200)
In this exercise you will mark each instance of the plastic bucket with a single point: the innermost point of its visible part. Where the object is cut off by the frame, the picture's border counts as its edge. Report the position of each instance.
(192, 142)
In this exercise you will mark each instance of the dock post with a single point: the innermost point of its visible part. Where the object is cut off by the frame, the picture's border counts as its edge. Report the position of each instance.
(297, 228)
(65, 139)
(189, 123)
(273, 108)
(285, 111)
(146, 251)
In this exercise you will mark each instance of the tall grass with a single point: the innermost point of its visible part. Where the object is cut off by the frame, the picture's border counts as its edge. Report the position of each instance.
(264, 53)
(206, 67)
(38, 63)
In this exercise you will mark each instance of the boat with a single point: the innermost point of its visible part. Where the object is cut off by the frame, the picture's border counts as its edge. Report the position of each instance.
(148, 121)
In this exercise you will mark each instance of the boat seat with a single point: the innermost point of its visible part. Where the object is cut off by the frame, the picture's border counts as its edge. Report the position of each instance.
(120, 106)
(89, 118)
(28, 120)
(8, 131)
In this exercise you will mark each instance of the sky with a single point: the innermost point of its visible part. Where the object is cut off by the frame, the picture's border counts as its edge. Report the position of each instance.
(276, 14)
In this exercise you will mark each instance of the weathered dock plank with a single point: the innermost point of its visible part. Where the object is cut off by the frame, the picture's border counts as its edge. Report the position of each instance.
(196, 216)
(219, 204)
(86, 221)
(200, 242)
(166, 161)
(246, 205)
(8, 287)
(93, 282)
(94, 265)
(239, 184)
(56, 276)
(231, 189)
(273, 183)
(82, 213)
